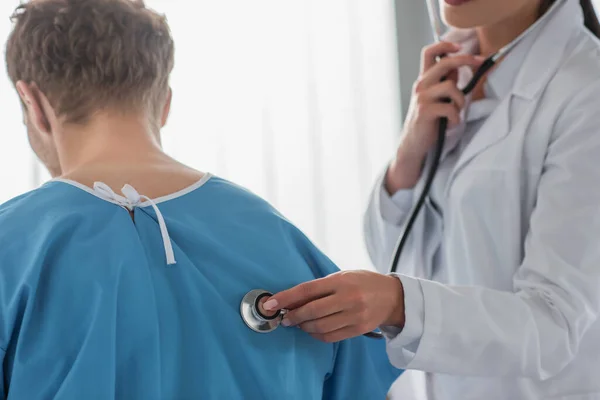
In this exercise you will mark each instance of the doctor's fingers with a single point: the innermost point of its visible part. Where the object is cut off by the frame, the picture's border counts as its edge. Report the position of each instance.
(433, 111)
(430, 54)
(440, 91)
(442, 69)
(328, 324)
(301, 294)
(314, 310)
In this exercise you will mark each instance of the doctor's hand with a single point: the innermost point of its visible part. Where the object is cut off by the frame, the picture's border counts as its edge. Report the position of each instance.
(427, 106)
(342, 305)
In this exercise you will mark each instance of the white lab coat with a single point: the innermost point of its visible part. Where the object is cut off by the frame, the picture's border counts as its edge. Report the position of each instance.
(519, 239)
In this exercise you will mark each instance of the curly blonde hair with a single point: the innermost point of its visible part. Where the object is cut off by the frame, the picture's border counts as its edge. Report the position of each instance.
(88, 55)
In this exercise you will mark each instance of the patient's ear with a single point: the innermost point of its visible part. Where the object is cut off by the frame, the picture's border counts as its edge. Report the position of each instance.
(36, 105)
(166, 109)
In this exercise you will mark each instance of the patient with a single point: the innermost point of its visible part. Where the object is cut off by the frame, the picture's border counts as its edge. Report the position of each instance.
(105, 293)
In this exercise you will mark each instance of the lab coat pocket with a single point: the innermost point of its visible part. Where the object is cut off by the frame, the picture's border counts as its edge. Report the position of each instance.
(486, 204)
(486, 194)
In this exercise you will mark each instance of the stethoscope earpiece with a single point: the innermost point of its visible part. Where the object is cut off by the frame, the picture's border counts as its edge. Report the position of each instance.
(252, 315)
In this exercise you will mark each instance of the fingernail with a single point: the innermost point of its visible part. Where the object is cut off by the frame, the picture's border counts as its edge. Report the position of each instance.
(480, 58)
(270, 305)
(286, 323)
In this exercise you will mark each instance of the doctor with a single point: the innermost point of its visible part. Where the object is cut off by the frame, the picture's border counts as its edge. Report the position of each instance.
(499, 294)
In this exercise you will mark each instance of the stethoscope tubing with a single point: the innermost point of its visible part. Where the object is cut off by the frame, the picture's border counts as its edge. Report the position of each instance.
(437, 156)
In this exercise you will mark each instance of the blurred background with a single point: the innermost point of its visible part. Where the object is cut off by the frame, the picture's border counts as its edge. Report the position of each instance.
(301, 101)
(296, 100)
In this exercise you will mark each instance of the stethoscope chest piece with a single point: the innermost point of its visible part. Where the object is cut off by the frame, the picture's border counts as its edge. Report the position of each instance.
(256, 320)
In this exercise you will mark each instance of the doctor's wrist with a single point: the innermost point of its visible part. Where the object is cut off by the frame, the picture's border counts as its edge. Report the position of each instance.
(404, 172)
(397, 315)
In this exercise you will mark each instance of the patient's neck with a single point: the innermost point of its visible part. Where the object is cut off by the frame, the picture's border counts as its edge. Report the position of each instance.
(121, 149)
(107, 138)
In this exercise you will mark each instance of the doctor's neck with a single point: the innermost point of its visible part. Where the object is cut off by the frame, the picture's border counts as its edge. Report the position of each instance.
(493, 37)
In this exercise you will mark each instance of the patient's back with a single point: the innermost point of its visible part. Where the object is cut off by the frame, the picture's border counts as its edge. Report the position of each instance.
(91, 309)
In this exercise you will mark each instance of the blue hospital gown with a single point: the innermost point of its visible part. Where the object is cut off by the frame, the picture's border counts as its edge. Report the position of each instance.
(91, 310)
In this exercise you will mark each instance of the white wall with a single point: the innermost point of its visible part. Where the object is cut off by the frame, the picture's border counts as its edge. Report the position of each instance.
(413, 32)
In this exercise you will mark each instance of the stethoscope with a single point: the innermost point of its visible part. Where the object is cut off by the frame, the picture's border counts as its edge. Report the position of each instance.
(253, 315)
(250, 309)
(256, 319)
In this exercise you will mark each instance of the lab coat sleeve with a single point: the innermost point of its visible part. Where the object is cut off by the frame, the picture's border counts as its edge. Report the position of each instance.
(534, 331)
(403, 348)
(384, 223)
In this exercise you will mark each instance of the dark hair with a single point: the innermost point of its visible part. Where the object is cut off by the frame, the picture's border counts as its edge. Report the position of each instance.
(90, 54)
(591, 18)
(589, 14)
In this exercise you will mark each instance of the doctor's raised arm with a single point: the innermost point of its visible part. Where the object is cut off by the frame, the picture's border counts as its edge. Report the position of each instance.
(495, 292)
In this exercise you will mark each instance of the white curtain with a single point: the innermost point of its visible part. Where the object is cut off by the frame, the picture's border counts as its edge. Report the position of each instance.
(296, 100)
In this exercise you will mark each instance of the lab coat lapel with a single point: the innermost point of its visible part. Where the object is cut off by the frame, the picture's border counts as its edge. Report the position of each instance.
(496, 127)
(538, 69)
